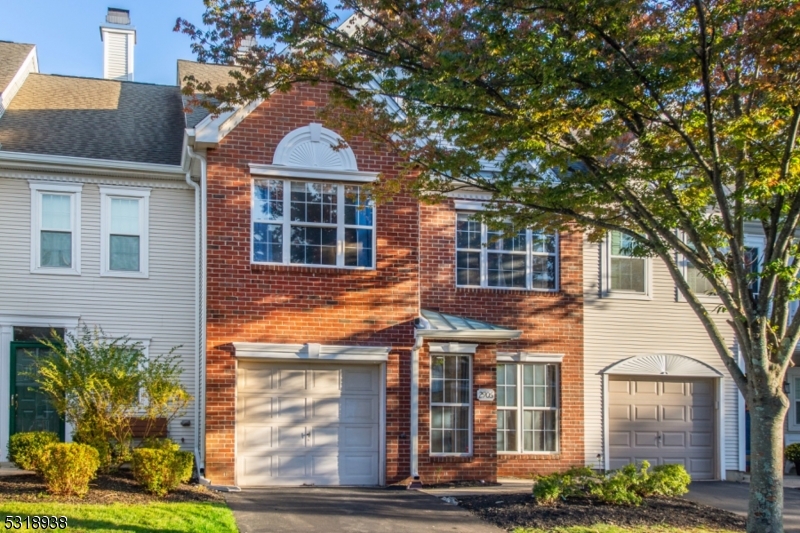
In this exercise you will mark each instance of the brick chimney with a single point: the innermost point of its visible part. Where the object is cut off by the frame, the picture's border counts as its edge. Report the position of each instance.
(119, 38)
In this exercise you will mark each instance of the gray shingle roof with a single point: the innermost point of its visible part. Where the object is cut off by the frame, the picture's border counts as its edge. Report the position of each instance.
(100, 119)
(11, 57)
(214, 74)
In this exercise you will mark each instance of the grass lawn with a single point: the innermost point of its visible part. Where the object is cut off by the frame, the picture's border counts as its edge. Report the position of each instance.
(604, 528)
(137, 518)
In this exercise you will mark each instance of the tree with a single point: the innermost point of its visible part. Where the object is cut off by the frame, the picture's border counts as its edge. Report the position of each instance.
(673, 122)
(101, 385)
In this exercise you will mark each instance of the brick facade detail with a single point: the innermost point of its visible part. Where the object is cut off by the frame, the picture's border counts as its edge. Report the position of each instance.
(414, 270)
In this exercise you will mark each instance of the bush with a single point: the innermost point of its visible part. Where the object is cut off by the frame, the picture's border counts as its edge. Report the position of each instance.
(157, 443)
(68, 468)
(792, 453)
(666, 480)
(25, 449)
(160, 470)
(574, 482)
(622, 486)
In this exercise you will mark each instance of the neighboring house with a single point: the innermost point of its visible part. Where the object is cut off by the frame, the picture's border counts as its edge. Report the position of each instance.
(655, 387)
(98, 221)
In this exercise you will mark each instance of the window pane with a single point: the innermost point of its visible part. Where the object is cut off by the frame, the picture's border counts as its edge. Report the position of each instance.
(34, 333)
(314, 202)
(499, 240)
(358, 247)
(268, 242)
(56, 249)
(463, 368)
(124, 253)
(358, 208)
(268, 200)
(621, 244)
(437, 370)
(313, 246)
(506, 270)
(627, 274)
(468, 268)
(56, 212)
(699, 283)
(468, 232)
(125, 216)
(461, 441)
(437, 391)
(437, 441)
(543, 270)
(543, 243)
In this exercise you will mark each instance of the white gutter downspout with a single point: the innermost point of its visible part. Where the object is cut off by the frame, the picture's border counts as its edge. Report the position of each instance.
(200, 239)
(414, 408)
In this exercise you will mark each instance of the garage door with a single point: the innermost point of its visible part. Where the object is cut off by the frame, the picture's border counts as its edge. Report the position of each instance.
(307, 424)
(662, 421)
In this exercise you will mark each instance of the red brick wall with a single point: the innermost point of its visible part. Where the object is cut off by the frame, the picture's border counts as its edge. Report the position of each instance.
(550, 322)
(296, 304)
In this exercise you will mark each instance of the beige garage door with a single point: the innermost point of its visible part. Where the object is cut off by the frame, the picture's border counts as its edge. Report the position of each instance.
(307, 424)
(662, 421)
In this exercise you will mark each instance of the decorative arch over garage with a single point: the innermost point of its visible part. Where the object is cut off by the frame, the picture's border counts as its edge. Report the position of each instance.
(663, 365)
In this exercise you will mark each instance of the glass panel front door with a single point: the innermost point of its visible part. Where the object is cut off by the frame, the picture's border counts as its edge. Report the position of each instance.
(30, 408)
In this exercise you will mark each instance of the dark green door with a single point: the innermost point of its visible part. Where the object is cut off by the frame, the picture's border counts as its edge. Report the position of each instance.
(30, 409)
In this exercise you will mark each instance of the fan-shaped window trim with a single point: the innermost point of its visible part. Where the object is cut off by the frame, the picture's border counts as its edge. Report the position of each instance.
(662, 365)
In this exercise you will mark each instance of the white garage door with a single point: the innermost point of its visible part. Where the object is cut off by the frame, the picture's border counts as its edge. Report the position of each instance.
(307, 424)
(662, 421)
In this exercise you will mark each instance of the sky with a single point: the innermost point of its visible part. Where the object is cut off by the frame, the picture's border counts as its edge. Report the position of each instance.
(67, 35)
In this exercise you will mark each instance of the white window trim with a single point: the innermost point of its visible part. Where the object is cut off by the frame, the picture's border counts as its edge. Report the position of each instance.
(287, 224)
(683, 263)
(605, 276)
(448, 353)
(529, 254)
(106, 194)
(520, 409)
(792, 376)
(37, 189)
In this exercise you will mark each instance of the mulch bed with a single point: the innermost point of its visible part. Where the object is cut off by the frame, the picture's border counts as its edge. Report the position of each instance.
(520, 510)
(114, 488)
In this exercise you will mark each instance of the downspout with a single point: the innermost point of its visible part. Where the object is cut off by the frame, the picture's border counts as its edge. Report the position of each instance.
(414, 408)
(199, 218)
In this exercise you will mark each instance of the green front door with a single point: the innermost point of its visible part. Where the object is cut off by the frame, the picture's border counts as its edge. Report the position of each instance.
(30, 409)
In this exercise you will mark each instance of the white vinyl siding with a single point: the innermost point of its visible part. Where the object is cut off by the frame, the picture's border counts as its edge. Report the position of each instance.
(117, 53)
(55, 228)
(124, 243)
(312, 224)
(527, 260)
(616, 329)
(160, 308)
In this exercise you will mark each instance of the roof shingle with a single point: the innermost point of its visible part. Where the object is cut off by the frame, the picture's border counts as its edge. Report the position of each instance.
(12, 55)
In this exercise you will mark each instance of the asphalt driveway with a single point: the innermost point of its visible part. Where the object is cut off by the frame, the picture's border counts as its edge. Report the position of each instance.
(734, 497)
(348, 510)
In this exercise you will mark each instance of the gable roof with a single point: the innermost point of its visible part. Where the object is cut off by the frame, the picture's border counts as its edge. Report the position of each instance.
(216, 75)
(97, 119)
(12, 55)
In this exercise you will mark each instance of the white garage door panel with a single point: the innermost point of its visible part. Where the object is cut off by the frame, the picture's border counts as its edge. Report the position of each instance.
(663, 422)
(307, 424)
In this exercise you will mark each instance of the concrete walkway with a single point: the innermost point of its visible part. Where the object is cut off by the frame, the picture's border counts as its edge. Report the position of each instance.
(506, 486)
(734, 497)
(348, 510)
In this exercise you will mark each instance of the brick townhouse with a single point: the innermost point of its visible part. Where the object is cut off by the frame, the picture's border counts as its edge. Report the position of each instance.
(347, 342)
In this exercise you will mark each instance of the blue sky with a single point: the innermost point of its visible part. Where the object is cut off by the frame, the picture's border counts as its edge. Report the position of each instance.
(67, 36)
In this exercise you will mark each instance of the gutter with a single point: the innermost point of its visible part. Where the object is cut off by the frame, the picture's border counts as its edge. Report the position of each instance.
(63, 163)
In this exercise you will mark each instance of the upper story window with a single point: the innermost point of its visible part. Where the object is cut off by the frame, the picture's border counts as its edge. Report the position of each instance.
(526, 259)
(312, 223)
(55, 228)
(124, 232)
(624, 275)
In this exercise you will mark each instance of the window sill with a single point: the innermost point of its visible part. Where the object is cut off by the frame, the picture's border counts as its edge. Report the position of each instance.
(626, 295)
(323, 269)
(507, 290)
(122, 274)
(57, 271)
(450, 458)
(526, 454)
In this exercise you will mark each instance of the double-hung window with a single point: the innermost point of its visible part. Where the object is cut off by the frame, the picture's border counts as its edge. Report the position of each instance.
(527, 407)
(55, 228)
(522, 259)
(312, 223)
(626, 275)
(124, 232)
(451, 405)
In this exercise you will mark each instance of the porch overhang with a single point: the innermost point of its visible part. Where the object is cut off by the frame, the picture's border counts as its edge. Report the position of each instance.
(433, 325)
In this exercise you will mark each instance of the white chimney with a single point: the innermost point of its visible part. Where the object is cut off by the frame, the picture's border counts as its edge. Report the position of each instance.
(119, 38)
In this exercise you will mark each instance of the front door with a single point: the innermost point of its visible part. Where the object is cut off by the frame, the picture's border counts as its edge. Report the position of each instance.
(31, 409)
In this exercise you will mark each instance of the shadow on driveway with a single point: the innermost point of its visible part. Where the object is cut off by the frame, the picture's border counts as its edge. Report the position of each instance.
(347, 510)
(734, 497)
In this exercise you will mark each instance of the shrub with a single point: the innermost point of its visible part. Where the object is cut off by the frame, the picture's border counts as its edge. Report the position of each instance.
(576, 481)
(624, 486)
(25, 449)
(792, 453)
(68, 468)
(159, 470)
(157, 443)
(666, 480)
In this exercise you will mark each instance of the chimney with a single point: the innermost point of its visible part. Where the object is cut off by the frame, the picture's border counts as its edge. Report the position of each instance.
(119, 38)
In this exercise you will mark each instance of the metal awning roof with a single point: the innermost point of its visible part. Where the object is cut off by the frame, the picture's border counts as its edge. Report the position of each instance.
(443, 326)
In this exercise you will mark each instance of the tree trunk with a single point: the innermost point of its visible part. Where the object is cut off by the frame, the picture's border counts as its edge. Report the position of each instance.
(766, 465)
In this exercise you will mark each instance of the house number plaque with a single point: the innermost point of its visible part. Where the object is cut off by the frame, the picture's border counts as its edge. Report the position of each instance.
(485, 395)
